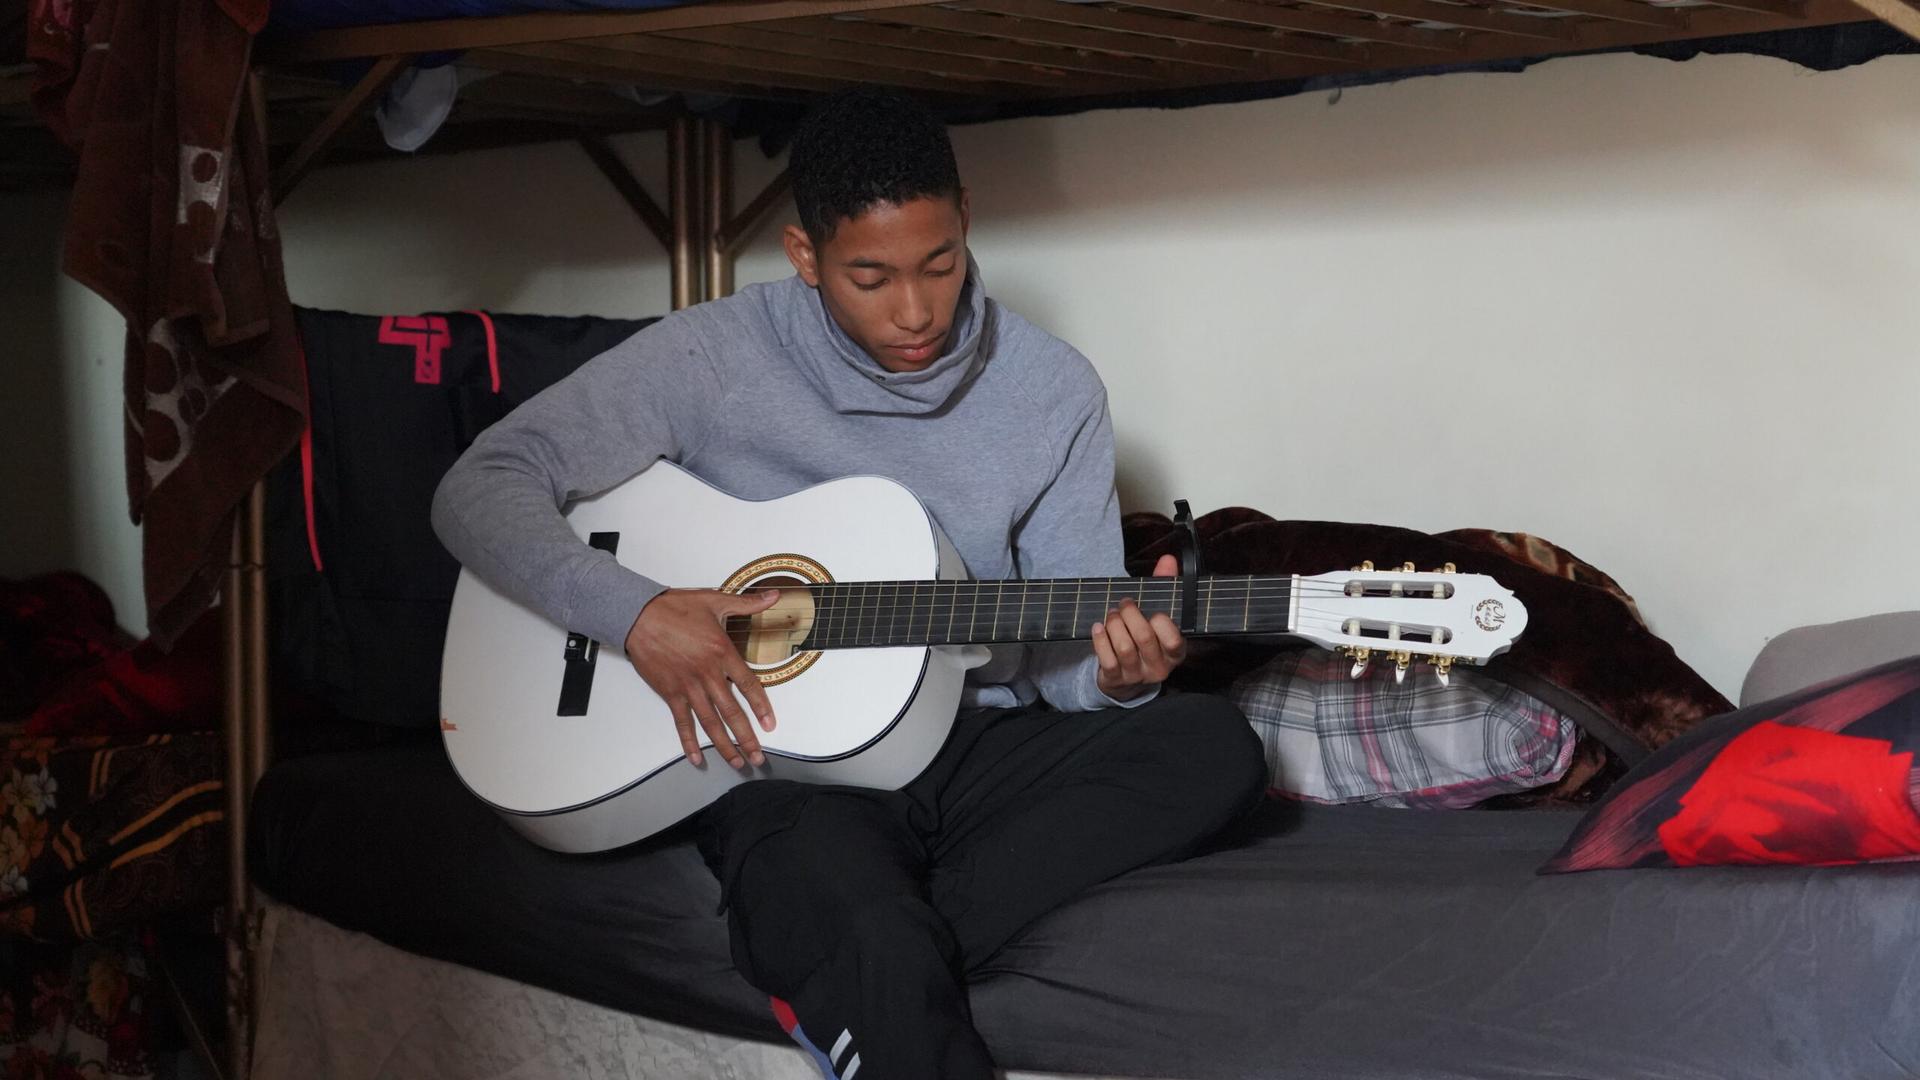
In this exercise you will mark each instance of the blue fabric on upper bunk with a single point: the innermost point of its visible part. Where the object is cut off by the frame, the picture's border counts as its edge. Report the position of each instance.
(292, 15)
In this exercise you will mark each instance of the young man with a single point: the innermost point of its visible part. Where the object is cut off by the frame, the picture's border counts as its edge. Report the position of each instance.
(863, 911)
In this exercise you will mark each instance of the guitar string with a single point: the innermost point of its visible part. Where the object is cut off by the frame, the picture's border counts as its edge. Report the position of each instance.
(1023, 625)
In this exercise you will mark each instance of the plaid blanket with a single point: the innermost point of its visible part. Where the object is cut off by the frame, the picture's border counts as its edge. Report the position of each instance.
(1334, 739)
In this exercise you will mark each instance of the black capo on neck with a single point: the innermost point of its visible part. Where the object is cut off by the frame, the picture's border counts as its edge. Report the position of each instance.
(1187, 542)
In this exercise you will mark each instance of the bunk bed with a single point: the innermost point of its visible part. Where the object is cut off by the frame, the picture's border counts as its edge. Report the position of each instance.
(718, 69)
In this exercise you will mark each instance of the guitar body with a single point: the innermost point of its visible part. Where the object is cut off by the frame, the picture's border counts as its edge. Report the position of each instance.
(615, 773)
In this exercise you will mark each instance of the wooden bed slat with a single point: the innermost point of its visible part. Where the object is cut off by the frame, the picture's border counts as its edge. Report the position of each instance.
(1280, 18)
(1786, 9)
(565, 60)
(989, 50)
(1626, 11)
(812, 73)
(1472, 18)
(889, 66)
(503, 30)
(364, 93)
(735, 231)
(1902, 15)
(611, 166)
(989, 19)
(1213, 35)
(1703, 22)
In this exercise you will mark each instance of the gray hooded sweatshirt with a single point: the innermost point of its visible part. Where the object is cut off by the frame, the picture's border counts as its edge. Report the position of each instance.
(1006, 440)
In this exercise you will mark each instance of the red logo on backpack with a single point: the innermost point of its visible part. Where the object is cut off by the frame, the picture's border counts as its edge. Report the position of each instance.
(429, 337)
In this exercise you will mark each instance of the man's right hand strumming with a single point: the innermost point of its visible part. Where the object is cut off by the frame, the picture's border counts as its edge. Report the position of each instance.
(679, 645)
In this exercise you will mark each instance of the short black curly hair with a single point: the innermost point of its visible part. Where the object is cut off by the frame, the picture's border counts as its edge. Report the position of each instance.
(865, 146)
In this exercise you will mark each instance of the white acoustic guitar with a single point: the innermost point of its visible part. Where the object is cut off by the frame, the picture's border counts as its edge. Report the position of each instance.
(862, 657)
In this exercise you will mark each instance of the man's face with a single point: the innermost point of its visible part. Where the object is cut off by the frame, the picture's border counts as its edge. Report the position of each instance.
(891, 277)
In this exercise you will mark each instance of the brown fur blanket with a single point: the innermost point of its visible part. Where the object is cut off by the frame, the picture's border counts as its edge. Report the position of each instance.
(1586, 651)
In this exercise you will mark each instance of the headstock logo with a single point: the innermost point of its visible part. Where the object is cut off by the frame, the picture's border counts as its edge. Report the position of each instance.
(1489, 614)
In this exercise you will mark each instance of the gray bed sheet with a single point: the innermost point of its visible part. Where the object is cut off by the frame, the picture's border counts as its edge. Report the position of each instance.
(1313, 942)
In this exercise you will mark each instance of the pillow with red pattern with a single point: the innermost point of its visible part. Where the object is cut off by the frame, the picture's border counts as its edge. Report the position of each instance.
(1820, 777)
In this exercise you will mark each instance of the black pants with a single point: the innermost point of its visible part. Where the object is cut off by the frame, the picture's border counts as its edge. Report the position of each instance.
(864, 910)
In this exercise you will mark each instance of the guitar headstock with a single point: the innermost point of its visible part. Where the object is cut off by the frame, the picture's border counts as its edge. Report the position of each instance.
(1441, 616)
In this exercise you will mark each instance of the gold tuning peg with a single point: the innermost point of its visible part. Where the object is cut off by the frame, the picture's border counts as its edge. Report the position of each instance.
(1443, 669)
(1362, 656)
(1364, 568)
(1401, 661)
(1449, 568)
(1406, 568)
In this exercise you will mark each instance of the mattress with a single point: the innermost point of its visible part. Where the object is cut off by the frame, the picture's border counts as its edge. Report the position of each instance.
(340, 1005)
(1311, 942)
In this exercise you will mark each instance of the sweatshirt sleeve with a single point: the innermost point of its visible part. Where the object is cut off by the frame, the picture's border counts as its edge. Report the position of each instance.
(499, 509)
(1073, 530)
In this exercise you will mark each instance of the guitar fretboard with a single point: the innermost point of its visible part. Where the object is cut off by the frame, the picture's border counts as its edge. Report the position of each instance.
(867, 614)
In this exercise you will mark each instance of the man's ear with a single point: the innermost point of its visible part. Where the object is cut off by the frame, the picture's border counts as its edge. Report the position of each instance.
(966, 213)
(801, 253)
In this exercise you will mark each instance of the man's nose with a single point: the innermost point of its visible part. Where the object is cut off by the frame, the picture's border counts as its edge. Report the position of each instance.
(915, 313)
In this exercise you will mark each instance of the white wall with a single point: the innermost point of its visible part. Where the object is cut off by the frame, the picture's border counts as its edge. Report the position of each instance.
(1665, 315)
(63, 492)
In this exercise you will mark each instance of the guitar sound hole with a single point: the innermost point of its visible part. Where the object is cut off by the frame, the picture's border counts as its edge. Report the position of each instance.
(771, 637)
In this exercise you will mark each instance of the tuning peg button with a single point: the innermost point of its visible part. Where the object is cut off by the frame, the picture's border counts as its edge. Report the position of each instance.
(1362, 657)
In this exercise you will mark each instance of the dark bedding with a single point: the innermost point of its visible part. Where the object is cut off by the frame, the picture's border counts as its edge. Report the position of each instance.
(1314, 942)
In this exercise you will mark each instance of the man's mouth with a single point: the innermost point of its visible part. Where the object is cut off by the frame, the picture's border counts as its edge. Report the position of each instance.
(920, 350)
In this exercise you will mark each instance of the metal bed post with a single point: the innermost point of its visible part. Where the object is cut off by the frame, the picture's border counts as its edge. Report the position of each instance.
(244, 608)
(238, 635)
(681, 205)
(727, 232)
(247, 716)
(717, 150)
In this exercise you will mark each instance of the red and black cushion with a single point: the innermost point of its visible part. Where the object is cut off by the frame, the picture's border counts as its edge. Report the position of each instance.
(1824, 776)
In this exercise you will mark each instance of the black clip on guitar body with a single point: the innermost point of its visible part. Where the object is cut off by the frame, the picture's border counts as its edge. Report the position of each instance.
(1187, 540)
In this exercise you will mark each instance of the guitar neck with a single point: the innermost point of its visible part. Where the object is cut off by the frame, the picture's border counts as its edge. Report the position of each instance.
(866, 614)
